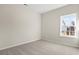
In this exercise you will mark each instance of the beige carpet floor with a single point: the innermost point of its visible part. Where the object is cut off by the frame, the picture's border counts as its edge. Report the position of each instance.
(40, 47)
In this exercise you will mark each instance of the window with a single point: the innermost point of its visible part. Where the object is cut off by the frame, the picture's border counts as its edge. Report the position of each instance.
(68, 25)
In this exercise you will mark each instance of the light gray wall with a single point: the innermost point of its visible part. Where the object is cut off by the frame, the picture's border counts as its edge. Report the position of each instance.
(51, 25)
(18, 25)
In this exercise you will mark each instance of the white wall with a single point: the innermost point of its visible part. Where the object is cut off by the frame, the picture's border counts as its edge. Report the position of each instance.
(18, 25)
(51, 25)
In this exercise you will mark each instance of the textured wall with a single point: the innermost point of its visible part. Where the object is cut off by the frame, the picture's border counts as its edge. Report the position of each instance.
(18, 24)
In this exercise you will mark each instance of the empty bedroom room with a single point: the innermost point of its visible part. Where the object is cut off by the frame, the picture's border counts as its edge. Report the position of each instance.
(39, 29)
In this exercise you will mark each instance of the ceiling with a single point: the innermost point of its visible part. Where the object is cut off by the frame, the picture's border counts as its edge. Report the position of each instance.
(42, 8)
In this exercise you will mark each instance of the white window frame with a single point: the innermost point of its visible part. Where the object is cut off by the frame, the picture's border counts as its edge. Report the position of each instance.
(75, 36)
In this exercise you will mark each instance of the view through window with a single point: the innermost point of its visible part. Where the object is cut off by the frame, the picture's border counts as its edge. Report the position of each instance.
(68, 25)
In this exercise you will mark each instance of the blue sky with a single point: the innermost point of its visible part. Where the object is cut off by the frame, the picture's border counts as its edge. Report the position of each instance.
(68, 19)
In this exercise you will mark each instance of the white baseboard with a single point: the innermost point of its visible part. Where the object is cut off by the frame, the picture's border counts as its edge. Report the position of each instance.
(17, 44)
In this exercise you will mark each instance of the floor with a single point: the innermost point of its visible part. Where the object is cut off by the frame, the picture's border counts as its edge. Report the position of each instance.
(40, 47)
